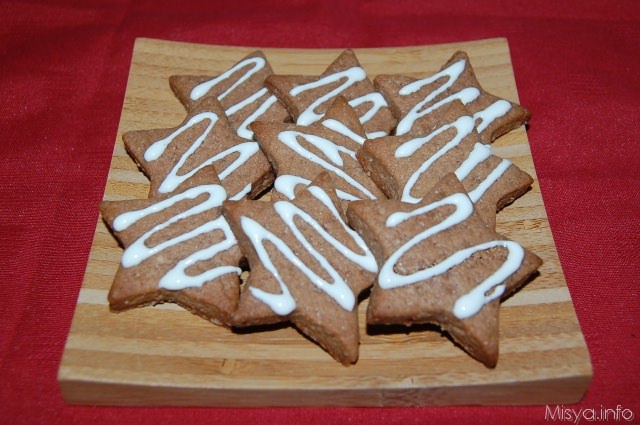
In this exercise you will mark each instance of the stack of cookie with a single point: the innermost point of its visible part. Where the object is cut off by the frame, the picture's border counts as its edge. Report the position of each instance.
(288, 197)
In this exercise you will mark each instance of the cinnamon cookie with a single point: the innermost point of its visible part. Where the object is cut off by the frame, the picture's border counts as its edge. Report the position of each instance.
(307, 266)
(415, 101)
(440, 264)
(240, 90)
(299, 153)
(172, 157)
(407, 167)
(307, 98)
(177, 249)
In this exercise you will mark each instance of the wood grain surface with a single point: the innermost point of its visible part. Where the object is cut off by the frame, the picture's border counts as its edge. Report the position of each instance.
(164, 355)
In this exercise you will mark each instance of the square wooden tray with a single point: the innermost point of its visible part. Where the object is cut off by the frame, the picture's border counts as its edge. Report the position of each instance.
(164, 355)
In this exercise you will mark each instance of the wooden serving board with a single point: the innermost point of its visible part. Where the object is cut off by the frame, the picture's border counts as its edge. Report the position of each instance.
(164, 355)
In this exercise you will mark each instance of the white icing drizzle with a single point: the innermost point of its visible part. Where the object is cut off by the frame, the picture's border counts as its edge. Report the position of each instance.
(328, 148)
(492, 112)
(463, 126)
(283, 303)
(467, 95)
(377, 102)
(240, 195)
(480, 152)
(256, 63)
(216, 196)
(246, 101)
(452, 73)
(492, 287)
(377, 134)
(243, 129)
(244, 150)
(156, 150)
(286, 184)
(176, 278)
(339, 127)
(351, 76)
(472, 302)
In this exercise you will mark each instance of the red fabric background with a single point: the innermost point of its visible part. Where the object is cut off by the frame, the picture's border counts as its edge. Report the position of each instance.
(63, 71)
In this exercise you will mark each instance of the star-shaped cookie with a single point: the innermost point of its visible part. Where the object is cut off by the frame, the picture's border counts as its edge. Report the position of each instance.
(440, 264)
(307, 98)
(407, 167)
(299, 153)
(306, 266)
(177, 248)
(172, 157)
(240, 90)
(415, 101)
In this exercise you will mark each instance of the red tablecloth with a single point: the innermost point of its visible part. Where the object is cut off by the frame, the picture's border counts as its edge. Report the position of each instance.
(63, 71)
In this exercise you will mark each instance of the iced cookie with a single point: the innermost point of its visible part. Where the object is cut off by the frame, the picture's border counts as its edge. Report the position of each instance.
(172, 157)
(240, 90)
(415, 101)
(299, 153)
(177, 249)
(306, 266)
(307, 98)
(407, 167)
(440, 264)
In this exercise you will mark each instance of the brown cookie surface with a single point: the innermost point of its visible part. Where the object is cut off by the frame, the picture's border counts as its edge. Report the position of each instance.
(172, 158)
(307, 98)
(440, 264)
(409, 166)
(306, 266)
(240, 90)
(415, 101)
(178, 249)
(299, 153)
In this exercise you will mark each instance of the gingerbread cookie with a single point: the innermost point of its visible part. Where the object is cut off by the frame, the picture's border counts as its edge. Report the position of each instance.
(307, 266)
(299, 153)
(172, 157)
(240, 90)
(178, 249)
(415, 101)
(307, 98)
(440, 264)
(407, 167)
